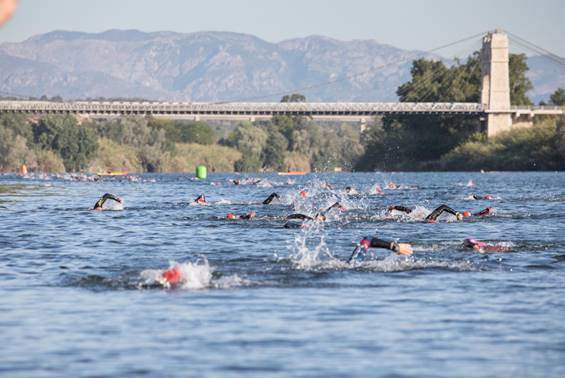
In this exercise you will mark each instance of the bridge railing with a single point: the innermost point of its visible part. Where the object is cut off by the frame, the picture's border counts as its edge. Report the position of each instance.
(251, 108)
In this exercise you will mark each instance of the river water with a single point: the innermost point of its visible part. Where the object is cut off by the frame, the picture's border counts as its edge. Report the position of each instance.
(81, 295)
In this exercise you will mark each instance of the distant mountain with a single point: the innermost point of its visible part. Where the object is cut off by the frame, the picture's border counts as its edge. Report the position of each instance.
(213, 66)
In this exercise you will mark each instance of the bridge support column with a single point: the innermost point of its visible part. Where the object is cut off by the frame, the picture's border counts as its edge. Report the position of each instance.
(495, 95)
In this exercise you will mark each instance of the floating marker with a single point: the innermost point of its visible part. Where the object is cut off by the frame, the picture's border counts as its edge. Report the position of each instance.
(201, 172)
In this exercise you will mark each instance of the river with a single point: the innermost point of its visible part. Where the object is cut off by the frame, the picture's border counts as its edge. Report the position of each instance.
(80, 293)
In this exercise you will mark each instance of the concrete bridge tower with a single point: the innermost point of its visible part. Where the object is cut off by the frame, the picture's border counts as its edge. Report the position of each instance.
(495, 95)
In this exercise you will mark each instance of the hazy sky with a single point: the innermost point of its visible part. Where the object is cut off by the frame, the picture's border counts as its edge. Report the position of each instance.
(408, 24)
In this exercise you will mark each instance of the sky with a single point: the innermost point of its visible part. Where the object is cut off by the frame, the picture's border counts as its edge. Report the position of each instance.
(408, 24)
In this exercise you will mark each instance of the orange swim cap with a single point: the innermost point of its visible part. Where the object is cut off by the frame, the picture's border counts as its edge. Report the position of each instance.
(303, 194)
(466, 214)
(172, 275)
(230, 216)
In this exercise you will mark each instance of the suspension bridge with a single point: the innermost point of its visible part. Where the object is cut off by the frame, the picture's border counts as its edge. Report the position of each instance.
(495, 106)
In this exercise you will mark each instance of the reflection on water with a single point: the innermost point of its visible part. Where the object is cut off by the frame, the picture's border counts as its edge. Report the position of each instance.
(87, 292)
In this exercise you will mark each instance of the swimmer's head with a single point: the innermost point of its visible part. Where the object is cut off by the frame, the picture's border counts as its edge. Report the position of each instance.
(347, 189)
(466, 214)
(236, 182)
(303, 193)
(489, 210)
(365, 242)
(200, 199)
(321, 218)
(488, 197)
(470, 243)
(230, 216)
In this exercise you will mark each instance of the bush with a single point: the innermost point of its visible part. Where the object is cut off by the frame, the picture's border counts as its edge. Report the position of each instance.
(76, 144)
(115, 157)
(535, 148)
(216, 158)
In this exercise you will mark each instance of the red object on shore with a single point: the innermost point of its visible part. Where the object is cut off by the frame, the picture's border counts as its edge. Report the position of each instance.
(172, 275)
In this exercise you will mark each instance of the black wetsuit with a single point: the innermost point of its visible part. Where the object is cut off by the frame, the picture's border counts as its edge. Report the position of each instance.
(432, 216)
(299, 216)
(271, 198)
(380, 243)
(374, 243)
(440, 210)
(104, 198)
(403, 209)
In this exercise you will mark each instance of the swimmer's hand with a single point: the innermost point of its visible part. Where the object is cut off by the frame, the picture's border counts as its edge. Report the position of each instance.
(354, 253)
(402, 249)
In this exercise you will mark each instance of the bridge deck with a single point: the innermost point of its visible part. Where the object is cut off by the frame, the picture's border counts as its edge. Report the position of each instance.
(329, 110)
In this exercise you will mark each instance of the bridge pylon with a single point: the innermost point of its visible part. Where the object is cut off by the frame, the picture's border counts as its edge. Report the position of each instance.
(495, 94)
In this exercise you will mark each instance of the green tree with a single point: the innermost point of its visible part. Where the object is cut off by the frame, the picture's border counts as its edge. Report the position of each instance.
(295, 97)
(250, 141)
(76, 144)
(196, 132)
(274, 152)
(519, 82)
(418, 142)
(558, 97)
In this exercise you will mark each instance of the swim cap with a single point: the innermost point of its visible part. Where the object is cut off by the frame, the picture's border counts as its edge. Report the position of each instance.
(488, 197)
(303, 194)
(172, 275)
(230, 216)
(466, 214)
(365, 243)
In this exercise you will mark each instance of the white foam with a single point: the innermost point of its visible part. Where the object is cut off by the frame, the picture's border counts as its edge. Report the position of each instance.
(194, 276)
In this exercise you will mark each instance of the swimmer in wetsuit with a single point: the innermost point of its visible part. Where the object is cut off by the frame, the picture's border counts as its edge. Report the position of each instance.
(477, 197)
(366, 243)
(99, 205)
(320, 217)
(432, 217)
(271, 198)
(248, 216)
(483, 247)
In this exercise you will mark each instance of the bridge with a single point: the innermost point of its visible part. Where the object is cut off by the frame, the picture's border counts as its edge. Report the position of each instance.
(494, 109)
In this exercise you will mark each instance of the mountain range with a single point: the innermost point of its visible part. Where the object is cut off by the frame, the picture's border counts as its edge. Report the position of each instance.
(216, 66)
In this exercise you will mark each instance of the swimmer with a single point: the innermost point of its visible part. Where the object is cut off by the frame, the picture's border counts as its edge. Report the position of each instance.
(99, 205)
(248, 216)
(366, 243)
(319, 217)
(485, 212)
(379, 190)
(482, 247)
(350, 191)
(392, 185)
(201, 200)
(434, 215)
(303, 193)
(475, 197)
(172, 276)
(271, 198)
(236, 182)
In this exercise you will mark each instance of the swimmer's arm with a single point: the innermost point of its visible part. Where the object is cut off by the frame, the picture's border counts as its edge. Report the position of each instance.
(400, 208)
(108, 196)
(437, 212)
(399, 248)
(299, 216)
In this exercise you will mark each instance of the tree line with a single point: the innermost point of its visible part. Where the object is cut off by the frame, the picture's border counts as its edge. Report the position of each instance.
(285, 143)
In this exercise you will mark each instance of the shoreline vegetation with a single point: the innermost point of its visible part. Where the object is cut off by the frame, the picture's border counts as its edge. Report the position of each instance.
(57, 144)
